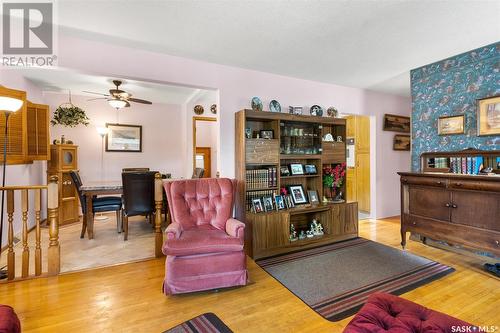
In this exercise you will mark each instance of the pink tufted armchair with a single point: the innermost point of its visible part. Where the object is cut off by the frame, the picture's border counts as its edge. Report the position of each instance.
(204, 245)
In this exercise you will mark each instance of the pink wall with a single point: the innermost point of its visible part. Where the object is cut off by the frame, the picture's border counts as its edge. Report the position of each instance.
(161, 134)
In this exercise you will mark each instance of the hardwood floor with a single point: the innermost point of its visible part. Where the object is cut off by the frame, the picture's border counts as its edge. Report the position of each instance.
(128, 298)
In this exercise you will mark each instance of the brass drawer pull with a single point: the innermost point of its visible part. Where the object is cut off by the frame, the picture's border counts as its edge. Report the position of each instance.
(439, 182)
(458, 184)
(497, 243)
(404, 180)
(453, 206)
(447, 205)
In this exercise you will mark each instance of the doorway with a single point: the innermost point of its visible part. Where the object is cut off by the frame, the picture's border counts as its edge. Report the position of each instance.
(358, 161)
(205, 145)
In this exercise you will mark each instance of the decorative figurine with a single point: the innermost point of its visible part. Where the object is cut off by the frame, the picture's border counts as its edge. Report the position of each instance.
(309, 234)
(293, 233)
(302, 234)
(339, 138)
(319, 230)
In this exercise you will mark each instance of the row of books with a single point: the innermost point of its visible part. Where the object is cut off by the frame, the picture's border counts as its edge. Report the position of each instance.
(250, 196)
(466, 165)
(440, 163)
(261, 178)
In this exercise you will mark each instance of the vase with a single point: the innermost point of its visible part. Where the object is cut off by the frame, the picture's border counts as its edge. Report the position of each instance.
(328, 193)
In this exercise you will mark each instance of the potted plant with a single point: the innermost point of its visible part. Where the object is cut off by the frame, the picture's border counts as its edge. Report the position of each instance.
(69, 115)
(333, 179)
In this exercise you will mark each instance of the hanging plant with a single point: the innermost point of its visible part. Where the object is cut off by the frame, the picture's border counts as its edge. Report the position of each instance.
(70, 115)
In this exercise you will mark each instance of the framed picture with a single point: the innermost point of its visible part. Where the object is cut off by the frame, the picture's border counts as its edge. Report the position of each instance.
(396, 123)
(401, 142)
(280, 202)
(267, 134)
(268, 204)
(297, 193)
(451, 125)
(488, 116)
(310, 169)
(288, 201)
(313, 197)
(124, 138)
(257, 206)
(284, 171)
(296, 169)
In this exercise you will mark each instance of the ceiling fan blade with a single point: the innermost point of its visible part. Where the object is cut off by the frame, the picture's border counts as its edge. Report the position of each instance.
(137, 100)
(95, 93)
(93, 99)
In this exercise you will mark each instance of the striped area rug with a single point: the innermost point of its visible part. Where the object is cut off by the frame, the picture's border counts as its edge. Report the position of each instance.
(335, 280)
(205, 323)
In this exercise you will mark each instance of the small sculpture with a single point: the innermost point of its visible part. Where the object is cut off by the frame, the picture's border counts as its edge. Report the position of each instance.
(309, 234)
(302, 234)
(293, 233)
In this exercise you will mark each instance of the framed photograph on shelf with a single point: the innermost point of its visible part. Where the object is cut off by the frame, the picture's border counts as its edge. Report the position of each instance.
(284, 171)
(488, 116)
(310, 169)
(298, 195)
(401, 142)
(280, 202)
(124, 138)
(313, 197)
(451, 125)
(396, 123)
(267, 134)
(296, 169)
(288, 201)
(257, 206)
(268, 204)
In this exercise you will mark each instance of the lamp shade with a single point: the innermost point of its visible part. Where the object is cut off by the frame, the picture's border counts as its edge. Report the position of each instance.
(117, 103)
(10, 104)
(102, 131)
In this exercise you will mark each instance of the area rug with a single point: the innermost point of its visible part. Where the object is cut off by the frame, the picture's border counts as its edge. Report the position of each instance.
(335, 280)
(205, 323)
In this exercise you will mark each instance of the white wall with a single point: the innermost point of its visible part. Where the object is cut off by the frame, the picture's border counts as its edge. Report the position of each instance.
(161, 136)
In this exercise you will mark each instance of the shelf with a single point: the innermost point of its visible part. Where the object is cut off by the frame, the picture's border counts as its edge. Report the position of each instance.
(260, 164)
(300, 157)
(262, 189)
(300, 176)
(307, 240)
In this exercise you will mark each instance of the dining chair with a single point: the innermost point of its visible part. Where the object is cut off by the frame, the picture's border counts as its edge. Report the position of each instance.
(99, 204)
(198, 173)
(138, 196)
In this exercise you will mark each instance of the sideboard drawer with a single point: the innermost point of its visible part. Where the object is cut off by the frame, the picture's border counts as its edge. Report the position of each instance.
(262, 151)
(465, 184)
(427, 181)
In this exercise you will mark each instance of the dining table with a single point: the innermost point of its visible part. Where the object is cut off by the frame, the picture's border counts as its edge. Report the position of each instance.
(95, 188)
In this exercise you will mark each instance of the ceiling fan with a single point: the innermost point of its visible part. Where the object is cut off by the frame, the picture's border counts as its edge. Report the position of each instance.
(118, 98)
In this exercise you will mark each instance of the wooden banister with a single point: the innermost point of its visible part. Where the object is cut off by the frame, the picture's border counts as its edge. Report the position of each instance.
(53, 253)
(158, 208)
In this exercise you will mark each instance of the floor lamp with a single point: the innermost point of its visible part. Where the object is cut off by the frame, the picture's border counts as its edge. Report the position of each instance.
(8, 105)
(103, 131)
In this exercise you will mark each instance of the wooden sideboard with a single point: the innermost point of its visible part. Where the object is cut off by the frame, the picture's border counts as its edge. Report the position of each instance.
(458, 209)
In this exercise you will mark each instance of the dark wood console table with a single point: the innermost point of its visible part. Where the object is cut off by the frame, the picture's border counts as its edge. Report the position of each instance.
(459, 209)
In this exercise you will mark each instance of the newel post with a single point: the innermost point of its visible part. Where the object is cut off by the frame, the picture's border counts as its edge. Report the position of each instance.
(54, 251)
(158, 208)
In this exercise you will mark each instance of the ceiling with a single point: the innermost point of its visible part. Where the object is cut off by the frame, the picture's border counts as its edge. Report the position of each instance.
(50, 80)
(365, 44)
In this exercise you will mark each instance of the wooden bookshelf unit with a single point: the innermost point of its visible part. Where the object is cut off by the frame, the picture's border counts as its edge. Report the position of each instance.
(296, 139)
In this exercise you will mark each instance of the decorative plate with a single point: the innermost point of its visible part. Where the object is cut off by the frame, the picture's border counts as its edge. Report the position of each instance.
(332, 112)
(198, 109)
(213, 108)
(316, 110)
(256, 104)
(275, 106)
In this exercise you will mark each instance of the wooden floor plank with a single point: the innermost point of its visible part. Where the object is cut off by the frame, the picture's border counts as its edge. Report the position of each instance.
(128, 298)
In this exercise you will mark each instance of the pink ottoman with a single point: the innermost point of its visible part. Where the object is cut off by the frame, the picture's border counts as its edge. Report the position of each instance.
(387, 313)
(9, 323)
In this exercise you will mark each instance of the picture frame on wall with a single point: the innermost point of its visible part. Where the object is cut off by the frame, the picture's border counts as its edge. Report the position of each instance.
(124, 138)
(450, 125)
(401, 142)
(296, 169)
(298, 195)
(488, 116)
(397, 123)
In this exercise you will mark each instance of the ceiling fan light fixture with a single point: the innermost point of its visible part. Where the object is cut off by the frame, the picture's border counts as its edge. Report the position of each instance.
(10, 104)
(117, 103)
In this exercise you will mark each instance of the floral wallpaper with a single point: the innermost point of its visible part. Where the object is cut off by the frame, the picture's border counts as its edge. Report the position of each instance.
(452, 87)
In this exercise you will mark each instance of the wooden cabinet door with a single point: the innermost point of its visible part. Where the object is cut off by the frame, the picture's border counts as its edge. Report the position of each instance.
(270, 230)
(363, 181)
(429, 202)
(476, 209)
(351, 188)
(362, 134)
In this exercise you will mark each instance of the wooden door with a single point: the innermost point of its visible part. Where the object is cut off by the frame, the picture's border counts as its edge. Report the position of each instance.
(362, 134)
(204, 156)
(429, 202)
(351, 184)
(476, 209)
(363, 181)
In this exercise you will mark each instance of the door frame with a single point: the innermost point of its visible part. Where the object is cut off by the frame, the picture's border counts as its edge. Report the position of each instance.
(195, 119)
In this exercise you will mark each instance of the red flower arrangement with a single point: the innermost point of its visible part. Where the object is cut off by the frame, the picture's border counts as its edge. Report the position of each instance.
(334, 177)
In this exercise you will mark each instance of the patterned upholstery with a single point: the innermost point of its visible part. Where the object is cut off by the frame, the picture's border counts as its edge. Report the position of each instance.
(388, 313)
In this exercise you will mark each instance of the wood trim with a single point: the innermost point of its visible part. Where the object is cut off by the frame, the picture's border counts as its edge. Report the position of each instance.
(195, 119)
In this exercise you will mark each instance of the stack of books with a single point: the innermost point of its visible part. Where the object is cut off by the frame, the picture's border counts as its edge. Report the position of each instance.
(466, 165)
(261, 178)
